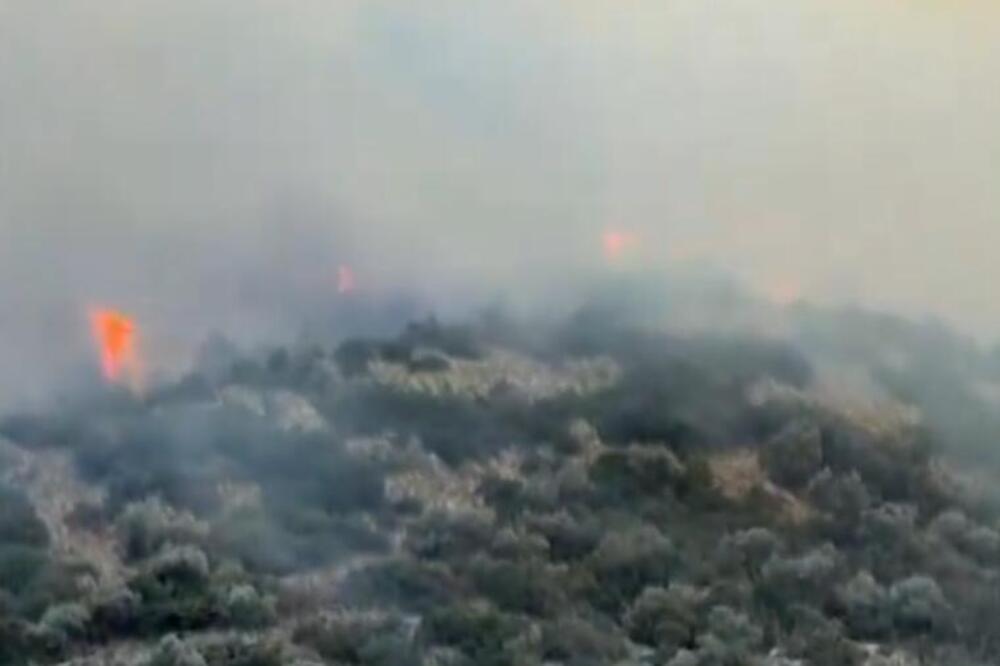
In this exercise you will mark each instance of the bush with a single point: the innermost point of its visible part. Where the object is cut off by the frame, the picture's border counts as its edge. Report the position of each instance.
(451, 535)
(409, 584)
(569, 539)
(918, 605)
(531, 587)
(148, 525)
(817, 640)
(664, 617)
(794, 455)
(731, 636)
(172, 651)
(19, 566)
(366, 639)
(842, 497)
(977, 541)
(185, 566)
(243, 651)
(67, 619)
(626, 561)
(175, 593)
(19, 524)
(806, 578)
(578, 641)
(748, 550)
(244, 607)
(637, 471)
(479, 632)
(866, 607)
(115, 613)
(354, 356)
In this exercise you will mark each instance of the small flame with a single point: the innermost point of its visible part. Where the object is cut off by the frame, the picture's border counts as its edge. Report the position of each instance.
(115, 336)
(783, 290)
(346, 283)
(617, 243)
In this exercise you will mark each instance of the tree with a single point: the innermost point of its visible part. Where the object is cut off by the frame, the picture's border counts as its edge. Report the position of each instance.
(794, 455)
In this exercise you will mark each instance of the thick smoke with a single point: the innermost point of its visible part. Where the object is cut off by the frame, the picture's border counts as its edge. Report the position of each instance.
(508, 333)
(207, 167)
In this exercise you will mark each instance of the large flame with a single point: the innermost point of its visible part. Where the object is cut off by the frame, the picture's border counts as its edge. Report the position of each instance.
(115, 336)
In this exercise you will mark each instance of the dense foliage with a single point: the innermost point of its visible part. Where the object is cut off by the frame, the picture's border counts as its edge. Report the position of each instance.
(595, 493)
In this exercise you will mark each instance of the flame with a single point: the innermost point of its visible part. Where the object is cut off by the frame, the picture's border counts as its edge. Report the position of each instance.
(346, 283)
(115, 336)
(617, 243)
(783, 290)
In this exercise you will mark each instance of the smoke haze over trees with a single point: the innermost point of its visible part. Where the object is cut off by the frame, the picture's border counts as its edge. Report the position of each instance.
(464, 333)
(208, 168)
(588, 489)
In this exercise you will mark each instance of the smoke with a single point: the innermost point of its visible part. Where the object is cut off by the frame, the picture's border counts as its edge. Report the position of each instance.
(208, 166)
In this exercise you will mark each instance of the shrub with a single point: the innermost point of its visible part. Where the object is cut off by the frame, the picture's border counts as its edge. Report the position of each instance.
(842, 497)
(866, 606)
(172, 651)
(749, 549)
(20, 566)
(637, 471)
(794, 455)
(148, 525)
(361, 639)
(243, 651)
(246, 608)
(664, 617)
(575, 640)
(115, 613)
(918, 605)
(67, 619)
(478, 631)
(180, 565)
(19, 524)
(531, 587)
(817, 640)
(626, 561)
(569, 538)
(978, 541)
(806, 578)
(732, 637)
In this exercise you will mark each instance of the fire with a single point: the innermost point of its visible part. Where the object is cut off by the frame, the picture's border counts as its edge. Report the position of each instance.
(115, 336)
(783, 290)
(617, 243)
(346, 282)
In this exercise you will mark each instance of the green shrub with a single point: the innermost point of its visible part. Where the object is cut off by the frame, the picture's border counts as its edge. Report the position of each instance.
(246, 608)
(172, 651)
(626, 561)
(918, 605)
(664, 617)
(794, 455)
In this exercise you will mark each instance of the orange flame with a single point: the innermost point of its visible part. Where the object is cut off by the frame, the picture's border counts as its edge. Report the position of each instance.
(115, 336)
(617, 243)
(346, 282)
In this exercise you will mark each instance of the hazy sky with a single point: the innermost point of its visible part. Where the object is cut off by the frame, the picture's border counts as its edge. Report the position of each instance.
(208, 163)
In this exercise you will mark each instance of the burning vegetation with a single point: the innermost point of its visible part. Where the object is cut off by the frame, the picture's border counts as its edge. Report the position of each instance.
(115, 336)
(592, 492)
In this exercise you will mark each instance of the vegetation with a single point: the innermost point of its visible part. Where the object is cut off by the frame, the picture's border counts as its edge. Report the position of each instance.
(591, 493)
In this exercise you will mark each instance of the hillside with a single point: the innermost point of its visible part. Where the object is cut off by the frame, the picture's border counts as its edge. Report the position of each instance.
(491, 494)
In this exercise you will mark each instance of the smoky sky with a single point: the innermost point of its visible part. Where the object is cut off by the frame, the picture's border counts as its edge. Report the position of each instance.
(207, 164)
